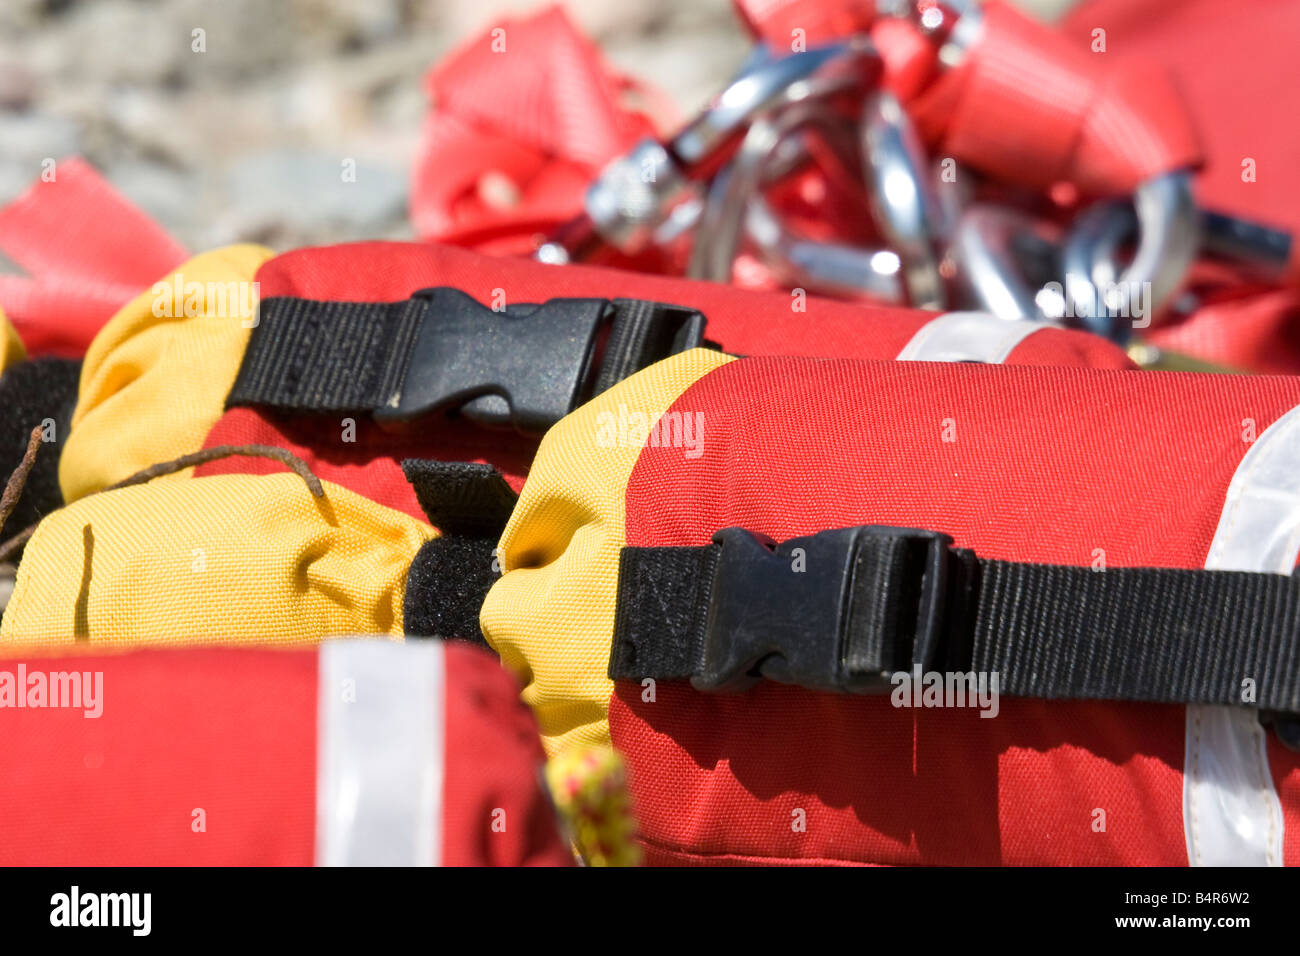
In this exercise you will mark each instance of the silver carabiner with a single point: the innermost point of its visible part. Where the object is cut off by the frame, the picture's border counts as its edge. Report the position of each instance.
(906, 209)
(828, 268)
(1099, 290)
(990, 248)
(735, 206)
(636, 193)
(717, 234)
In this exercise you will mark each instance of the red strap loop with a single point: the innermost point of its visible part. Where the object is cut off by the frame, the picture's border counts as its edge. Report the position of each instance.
(87, 251)
(522, 119)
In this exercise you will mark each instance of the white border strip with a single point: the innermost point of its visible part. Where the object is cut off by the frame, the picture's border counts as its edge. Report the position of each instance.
(968, 337)
(1231, 812)
(379, 753)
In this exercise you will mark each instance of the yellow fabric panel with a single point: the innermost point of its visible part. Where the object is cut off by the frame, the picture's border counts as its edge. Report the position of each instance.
(11, 346)
(244, 557)
(152, 386)
(551, 615)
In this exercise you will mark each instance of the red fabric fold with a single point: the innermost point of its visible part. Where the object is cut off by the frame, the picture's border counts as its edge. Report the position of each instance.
(522, 119)
(87, 251)
(1029, 106)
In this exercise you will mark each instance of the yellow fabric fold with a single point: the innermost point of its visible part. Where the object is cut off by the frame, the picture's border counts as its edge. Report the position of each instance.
(156, 377)
(11, 346)
(551, 615)
(241, 557)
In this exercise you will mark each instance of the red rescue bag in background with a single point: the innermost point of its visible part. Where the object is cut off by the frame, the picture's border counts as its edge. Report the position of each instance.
(349, 753)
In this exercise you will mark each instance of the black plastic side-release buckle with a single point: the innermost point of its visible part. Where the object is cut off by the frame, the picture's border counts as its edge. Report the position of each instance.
(840, 611)
(526, 366)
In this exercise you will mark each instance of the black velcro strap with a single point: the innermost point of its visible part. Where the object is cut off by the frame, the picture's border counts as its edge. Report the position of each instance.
(450, 577)
(446, 585)
(460, 497)
(525, 366)
(868, 602)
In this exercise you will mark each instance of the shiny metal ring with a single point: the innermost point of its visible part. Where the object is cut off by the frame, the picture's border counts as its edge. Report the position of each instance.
(717, 234)
(989, 266)
(903, 199)
(828, 268)
(767, 83)
(1110, 298)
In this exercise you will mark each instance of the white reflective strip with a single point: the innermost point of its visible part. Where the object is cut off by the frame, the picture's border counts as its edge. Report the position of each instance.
(379, 753)
(1231, 812)
(968, 337)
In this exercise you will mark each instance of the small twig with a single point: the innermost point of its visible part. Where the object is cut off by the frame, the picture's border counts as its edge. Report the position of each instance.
(284, 457)
(18, 480)
(15, 544)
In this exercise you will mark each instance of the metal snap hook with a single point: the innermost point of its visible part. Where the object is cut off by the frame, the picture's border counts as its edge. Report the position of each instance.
(1100, 290)
(830, 268)
(992, 247)
(735, 207)
(903, 200)
(904, 205)
(637, 192)
(717, 234)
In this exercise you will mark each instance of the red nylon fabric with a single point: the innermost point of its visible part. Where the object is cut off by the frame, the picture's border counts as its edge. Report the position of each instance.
(910, 58)
(1136, 465)
(233, 731)
(230, 731)
(739, 321)
(565, 120)
(77, 277)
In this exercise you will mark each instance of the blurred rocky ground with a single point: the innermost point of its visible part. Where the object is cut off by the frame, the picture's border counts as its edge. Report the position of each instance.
(244, 140)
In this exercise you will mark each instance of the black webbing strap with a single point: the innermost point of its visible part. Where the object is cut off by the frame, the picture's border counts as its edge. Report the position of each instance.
(306, 355)
(525, 366)
(844, 610)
